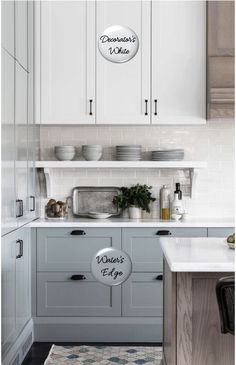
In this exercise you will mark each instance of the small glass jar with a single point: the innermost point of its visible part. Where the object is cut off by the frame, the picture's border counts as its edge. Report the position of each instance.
(56, 209)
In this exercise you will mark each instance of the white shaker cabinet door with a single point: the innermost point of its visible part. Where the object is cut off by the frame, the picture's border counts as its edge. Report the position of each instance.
(8, 26)
(22, 278)
(8, 215)
(21, 128)
(67, 61)
(178, 62)
(123, 89)
(8, 280)
(21, 32)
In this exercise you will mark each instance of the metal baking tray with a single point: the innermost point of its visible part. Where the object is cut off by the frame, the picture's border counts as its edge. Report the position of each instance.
(95, 199)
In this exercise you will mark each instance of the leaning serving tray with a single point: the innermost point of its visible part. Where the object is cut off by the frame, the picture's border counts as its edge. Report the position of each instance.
(95, 199)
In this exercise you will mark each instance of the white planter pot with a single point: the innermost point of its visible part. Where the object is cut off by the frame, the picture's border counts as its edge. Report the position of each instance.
(135, 213)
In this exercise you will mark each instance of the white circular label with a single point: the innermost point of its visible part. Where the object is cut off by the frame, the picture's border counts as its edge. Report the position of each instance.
(118, 44)
(111, 266)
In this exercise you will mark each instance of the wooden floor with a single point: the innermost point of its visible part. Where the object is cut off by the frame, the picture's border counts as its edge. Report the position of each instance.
(39, 351)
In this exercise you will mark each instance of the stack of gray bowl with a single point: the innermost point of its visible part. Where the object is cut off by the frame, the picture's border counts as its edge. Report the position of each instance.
(128, 152)
(92, 152)
(64, 153)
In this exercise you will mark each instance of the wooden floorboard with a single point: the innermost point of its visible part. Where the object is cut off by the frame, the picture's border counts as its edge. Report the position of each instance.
(39, 350)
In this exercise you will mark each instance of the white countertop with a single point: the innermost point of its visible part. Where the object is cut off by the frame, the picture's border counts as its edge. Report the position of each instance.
(125, 222)
(198, 254)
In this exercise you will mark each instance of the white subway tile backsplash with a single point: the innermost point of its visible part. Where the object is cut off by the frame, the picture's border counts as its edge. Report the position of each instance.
(213, 142)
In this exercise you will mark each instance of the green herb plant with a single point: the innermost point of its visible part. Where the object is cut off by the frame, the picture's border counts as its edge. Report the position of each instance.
(138, 196)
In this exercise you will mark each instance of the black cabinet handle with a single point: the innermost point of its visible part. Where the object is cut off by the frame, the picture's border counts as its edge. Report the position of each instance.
(146, 107)
(78, 277)
(33, 198)
(21, 249)
(159, 277)
(78, 232)
(90, 107)
(163, 233)
(155, 106)
(20, 210)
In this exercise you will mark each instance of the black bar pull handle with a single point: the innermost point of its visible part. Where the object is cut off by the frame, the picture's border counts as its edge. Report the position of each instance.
(146, 107)
(78, 232)
(33, 199)
(21, 249)
(78, 277)
(91, 107)
(20, 208)
(155, 106)
(163, 232)
(159, 277)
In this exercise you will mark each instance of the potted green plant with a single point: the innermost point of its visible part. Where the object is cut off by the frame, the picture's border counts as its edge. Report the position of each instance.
(136, 198)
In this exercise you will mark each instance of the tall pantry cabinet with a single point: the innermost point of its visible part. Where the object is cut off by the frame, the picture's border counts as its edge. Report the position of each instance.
(18, 177)
(164, 83)
(18, 132)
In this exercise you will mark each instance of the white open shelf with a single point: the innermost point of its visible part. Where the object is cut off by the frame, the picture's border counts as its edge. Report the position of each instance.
(121, 164)
(192, 166)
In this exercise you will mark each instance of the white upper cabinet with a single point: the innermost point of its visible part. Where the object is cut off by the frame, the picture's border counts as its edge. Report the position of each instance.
(8, 144)
(21, 32)
(123, 89)
(164, 83)
(178, 62)
(67, 62)
(8, 26)
(21, 142)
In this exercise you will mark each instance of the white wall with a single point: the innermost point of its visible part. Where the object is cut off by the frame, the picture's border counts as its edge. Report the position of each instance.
(213, 142)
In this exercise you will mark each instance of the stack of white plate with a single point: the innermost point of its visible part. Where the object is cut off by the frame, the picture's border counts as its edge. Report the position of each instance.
(64, 153)
(128, 152)
(168, 155)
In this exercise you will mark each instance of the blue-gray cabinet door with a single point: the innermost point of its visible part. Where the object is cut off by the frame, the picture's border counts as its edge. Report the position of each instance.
(67, 249)
(143, 245)
(59, 295)
(220, 232)
(142, 295)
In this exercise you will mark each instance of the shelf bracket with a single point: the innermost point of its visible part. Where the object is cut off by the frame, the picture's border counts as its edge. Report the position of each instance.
(194, 174)
(48, 182)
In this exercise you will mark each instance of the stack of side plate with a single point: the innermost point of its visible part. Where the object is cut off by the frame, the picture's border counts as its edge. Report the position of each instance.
(128, 152)
(168, 155)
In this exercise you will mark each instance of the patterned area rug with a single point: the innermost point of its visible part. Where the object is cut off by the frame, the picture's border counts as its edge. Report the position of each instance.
(107, 355)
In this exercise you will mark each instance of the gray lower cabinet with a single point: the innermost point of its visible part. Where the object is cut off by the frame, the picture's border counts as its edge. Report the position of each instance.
(67, 249)
(143, 245)
(142, 295)
(220, 232)
(59, 295)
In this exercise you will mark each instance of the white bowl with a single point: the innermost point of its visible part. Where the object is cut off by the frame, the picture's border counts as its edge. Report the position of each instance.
(176, 217)
(64, 148)
(92, 156)
(65, 156)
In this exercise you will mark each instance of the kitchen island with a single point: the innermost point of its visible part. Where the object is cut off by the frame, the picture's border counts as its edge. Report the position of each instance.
(191, 324)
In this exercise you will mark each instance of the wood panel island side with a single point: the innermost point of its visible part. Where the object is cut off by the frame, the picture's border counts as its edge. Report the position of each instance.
(191, 325)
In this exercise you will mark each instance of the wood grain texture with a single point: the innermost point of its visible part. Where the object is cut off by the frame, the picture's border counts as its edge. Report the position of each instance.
(184, 319)
(169, 323)
(221, 28)
(210, 346)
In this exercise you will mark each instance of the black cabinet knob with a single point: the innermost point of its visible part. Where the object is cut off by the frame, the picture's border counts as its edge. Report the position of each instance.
(78, 277)
(163, 232)
(159, 277)
(78, 232)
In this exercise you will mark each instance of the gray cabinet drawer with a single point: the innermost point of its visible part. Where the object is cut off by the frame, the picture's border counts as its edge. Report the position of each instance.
(58, 250)
(220, 232)
(58, 295)
(142, 295)
(143, 246)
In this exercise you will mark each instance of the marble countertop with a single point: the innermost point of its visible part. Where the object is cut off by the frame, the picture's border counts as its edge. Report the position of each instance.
(125, 222)
(198, 254)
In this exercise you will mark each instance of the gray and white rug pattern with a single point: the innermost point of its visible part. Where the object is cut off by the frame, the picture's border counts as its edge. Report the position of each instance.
(104, 355)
